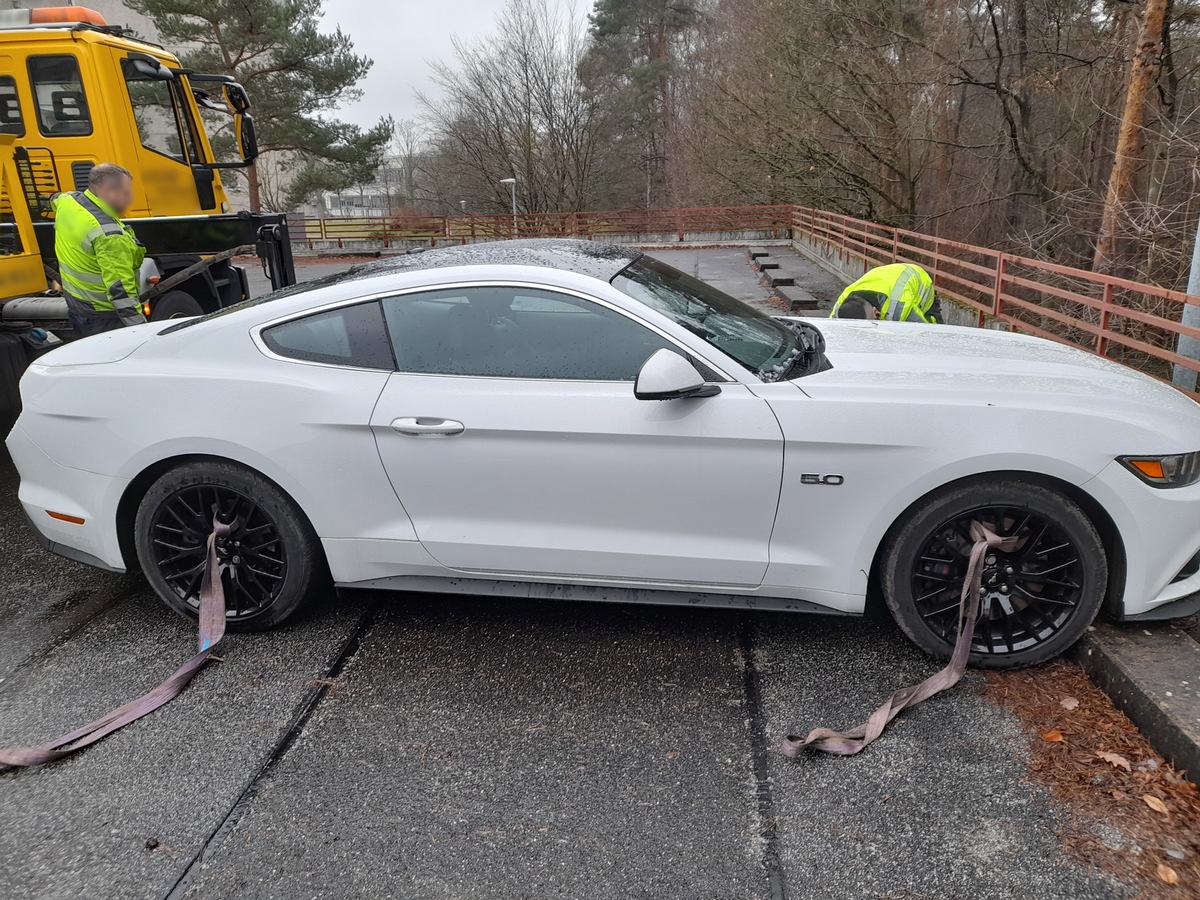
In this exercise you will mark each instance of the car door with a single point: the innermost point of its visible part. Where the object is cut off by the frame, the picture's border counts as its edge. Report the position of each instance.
(513, 439)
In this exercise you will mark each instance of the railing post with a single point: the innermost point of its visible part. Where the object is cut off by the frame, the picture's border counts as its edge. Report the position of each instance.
(679, 225)
(895, 245)
(1105, 311)
(997, 288)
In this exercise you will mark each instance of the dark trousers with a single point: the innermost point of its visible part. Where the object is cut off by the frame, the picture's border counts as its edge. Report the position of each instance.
(86, 326)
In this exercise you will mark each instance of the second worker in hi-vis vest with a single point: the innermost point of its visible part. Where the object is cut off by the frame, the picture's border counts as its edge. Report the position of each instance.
(900, 292)
(98, 255)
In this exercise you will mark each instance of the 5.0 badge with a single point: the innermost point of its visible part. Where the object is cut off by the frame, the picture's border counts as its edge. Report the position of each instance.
(822, 479)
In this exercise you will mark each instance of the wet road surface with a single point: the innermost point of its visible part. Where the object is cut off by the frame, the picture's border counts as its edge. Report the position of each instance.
(420, 746)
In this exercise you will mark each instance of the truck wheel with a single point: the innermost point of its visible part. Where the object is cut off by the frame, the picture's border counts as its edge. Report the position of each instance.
(175, 305)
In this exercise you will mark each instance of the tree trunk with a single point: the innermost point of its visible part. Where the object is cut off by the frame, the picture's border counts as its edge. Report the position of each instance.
(253, 188)
(1129, 156)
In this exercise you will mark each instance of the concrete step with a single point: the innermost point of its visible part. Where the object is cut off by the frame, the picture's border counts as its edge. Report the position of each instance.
(757, 252)
(796, 298)
(778, 277)
(765, 262)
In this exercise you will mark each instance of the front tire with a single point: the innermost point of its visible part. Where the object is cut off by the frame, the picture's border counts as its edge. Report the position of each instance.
(271, 565)
(1039, 599)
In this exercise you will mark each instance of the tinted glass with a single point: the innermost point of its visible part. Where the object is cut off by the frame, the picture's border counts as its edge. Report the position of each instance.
(762, 344)
(509, 332)
(154, 112)
(62, 107)
(349, 336)
(10, 107)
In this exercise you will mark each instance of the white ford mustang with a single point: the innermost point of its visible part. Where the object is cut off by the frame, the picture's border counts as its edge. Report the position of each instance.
(559, 418)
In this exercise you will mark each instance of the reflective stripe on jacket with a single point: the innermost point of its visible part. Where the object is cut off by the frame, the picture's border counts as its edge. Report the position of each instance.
(98, 258)
(907, 291)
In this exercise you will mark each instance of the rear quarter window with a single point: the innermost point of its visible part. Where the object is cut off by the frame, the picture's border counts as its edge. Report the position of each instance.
(353, 336)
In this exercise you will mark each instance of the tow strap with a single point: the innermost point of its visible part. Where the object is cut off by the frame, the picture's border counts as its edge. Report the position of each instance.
(849, 742)
(212, 629)
(839, 743)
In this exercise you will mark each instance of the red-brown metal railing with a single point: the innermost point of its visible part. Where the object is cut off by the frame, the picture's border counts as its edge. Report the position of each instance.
(645, 224)
(1127, 321)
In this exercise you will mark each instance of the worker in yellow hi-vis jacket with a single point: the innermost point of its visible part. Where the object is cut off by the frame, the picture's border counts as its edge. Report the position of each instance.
(900, 292)
(98, 255)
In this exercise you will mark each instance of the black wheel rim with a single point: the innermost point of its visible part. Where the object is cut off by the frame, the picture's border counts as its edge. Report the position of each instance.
(252, 560)
(1028, 595)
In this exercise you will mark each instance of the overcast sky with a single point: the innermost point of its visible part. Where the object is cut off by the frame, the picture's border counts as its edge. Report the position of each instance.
(403, 36)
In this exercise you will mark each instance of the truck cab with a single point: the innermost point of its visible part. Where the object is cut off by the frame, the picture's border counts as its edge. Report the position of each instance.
(77, 92)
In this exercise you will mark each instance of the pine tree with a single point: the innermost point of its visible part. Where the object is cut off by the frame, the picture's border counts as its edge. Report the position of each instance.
(637, 46)
(295, 75)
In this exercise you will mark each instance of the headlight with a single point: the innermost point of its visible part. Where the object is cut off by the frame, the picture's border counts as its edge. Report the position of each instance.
(1178, 470)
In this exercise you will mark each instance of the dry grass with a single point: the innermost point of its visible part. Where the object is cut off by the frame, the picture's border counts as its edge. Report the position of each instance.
(1112, 782)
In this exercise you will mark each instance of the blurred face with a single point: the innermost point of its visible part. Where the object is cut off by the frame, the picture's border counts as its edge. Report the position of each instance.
(117, 193)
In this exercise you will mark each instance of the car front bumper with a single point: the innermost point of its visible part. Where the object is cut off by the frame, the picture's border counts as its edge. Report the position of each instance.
(1160, 530)
(48, 486)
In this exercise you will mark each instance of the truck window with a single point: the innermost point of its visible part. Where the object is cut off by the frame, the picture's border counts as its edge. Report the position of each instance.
(154, 112)
(10, 107)
(62, 108)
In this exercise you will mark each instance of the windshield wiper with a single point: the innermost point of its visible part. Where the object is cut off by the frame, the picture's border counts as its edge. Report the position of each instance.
(807, 359)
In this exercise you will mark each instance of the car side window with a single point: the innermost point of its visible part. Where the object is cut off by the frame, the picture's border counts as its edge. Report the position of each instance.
(62, 107)
(516, 332)
(347, 336)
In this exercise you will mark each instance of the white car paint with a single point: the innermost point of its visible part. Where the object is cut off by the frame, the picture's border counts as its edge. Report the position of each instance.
(580, 483)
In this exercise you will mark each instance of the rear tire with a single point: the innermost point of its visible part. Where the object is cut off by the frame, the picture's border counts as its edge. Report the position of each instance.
(1024, 619)
(175, 305)
(271, 566)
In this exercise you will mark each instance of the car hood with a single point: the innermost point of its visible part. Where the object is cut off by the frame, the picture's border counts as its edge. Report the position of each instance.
(111, 346)
(984, 366)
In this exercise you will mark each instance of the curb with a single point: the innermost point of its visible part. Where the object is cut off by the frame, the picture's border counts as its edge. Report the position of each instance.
(1152, 673)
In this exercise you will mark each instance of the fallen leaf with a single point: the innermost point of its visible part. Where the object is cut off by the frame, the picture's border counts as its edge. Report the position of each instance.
(1167, 874)
(1154, 803)
(1116, 760)
(672, 754)
(1054, 736)
(1118, 795)
(1069, 703)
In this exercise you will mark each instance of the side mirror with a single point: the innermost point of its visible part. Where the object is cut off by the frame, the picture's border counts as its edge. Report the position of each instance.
(150, 68)
(247, 141)
(236, 96)
(668, 376)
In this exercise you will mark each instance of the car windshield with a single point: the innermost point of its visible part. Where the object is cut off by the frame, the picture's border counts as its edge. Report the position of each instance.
(765, 346)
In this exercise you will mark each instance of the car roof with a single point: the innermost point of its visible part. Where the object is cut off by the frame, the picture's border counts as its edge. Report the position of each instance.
(597, 260)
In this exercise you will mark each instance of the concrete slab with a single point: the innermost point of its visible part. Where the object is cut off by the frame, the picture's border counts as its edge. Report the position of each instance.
(499, 749)
(938, 807)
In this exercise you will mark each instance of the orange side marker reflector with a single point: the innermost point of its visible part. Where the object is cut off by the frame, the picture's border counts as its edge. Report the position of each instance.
(63, 517)
(1151, 468)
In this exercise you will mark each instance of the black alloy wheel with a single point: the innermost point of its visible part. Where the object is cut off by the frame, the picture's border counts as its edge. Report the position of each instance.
(270, 563)
(1035, 601)
(252, 559)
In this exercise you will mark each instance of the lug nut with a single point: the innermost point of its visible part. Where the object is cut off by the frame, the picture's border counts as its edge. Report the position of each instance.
(1008, 570)
(1004, 588)
(991, 560)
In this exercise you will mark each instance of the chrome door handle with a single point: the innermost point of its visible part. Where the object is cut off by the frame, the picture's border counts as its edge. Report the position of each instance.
(427, 426)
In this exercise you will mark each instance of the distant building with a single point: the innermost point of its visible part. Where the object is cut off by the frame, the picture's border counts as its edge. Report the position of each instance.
(393, 192)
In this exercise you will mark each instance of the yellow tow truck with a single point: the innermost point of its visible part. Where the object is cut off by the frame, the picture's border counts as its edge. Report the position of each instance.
(76, 91)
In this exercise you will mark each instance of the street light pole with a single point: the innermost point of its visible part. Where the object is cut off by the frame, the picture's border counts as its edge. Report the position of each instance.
(512, 186)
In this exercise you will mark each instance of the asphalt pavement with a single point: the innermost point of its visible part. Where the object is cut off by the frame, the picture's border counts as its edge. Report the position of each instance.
(421, 746)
